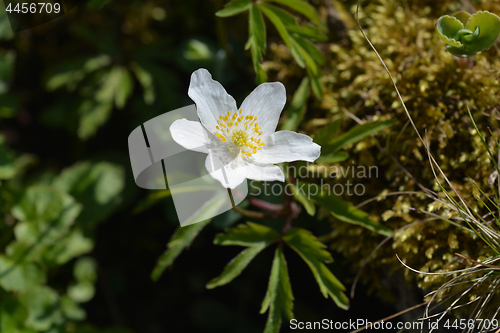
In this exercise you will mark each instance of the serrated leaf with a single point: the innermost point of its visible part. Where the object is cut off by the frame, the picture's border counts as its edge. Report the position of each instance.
(313, 253)
(303, 8)
(327, 133)
(234, 8)
(356, 134)
(279, 291)
(347, 212)
(236, 266)
(297, 109)
(308, 244)
(249, 234)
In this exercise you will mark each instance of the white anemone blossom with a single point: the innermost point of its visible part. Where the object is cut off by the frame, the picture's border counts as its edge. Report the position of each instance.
(241, 143)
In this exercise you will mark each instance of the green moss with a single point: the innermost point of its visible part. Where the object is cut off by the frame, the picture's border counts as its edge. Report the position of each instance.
(435, 91)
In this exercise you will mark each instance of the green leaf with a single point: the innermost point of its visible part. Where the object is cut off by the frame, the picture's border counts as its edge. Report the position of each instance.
(71, 309)
(462, 17)
(302, 198)
(316, 86)
(19, 276)
(309, 61)
(7, 163)
(314, 254)
(297, 108)
(97, 186)
(332, 157)
(447, 27)
(92, 116)
(489, 30)
(346, 212)
(236, 266)
(273, 14)
(257, 27)
(184, 236)
(261, 76)
(308, 32)
(85, 269)
(255, 236)
(117, 86)
(310, 48)
(181, 239)
(327, 133)
(146, 80)
(279, 291)
(82, 291)
(356, 134)
(234, 8)
(303, 8)
(308, 244)
(249, 234)
(43, 308)
(66, 248)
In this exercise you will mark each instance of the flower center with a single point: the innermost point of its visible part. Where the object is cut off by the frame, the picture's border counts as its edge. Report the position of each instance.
(241, 132)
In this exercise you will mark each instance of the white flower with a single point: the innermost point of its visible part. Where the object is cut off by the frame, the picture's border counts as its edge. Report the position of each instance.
(241, 143)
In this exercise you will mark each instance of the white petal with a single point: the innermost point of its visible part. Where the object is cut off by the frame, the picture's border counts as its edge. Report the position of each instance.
(264, 172)
(210, 97)
(229, 175)
(266, 102)
(190, 134)
(288, 146)
(233, 174)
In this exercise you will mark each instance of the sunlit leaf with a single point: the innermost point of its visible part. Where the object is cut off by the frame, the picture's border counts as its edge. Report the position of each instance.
(355, 134)
(257, 28)
(234, 8)
(347, 212)
(303, 8)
